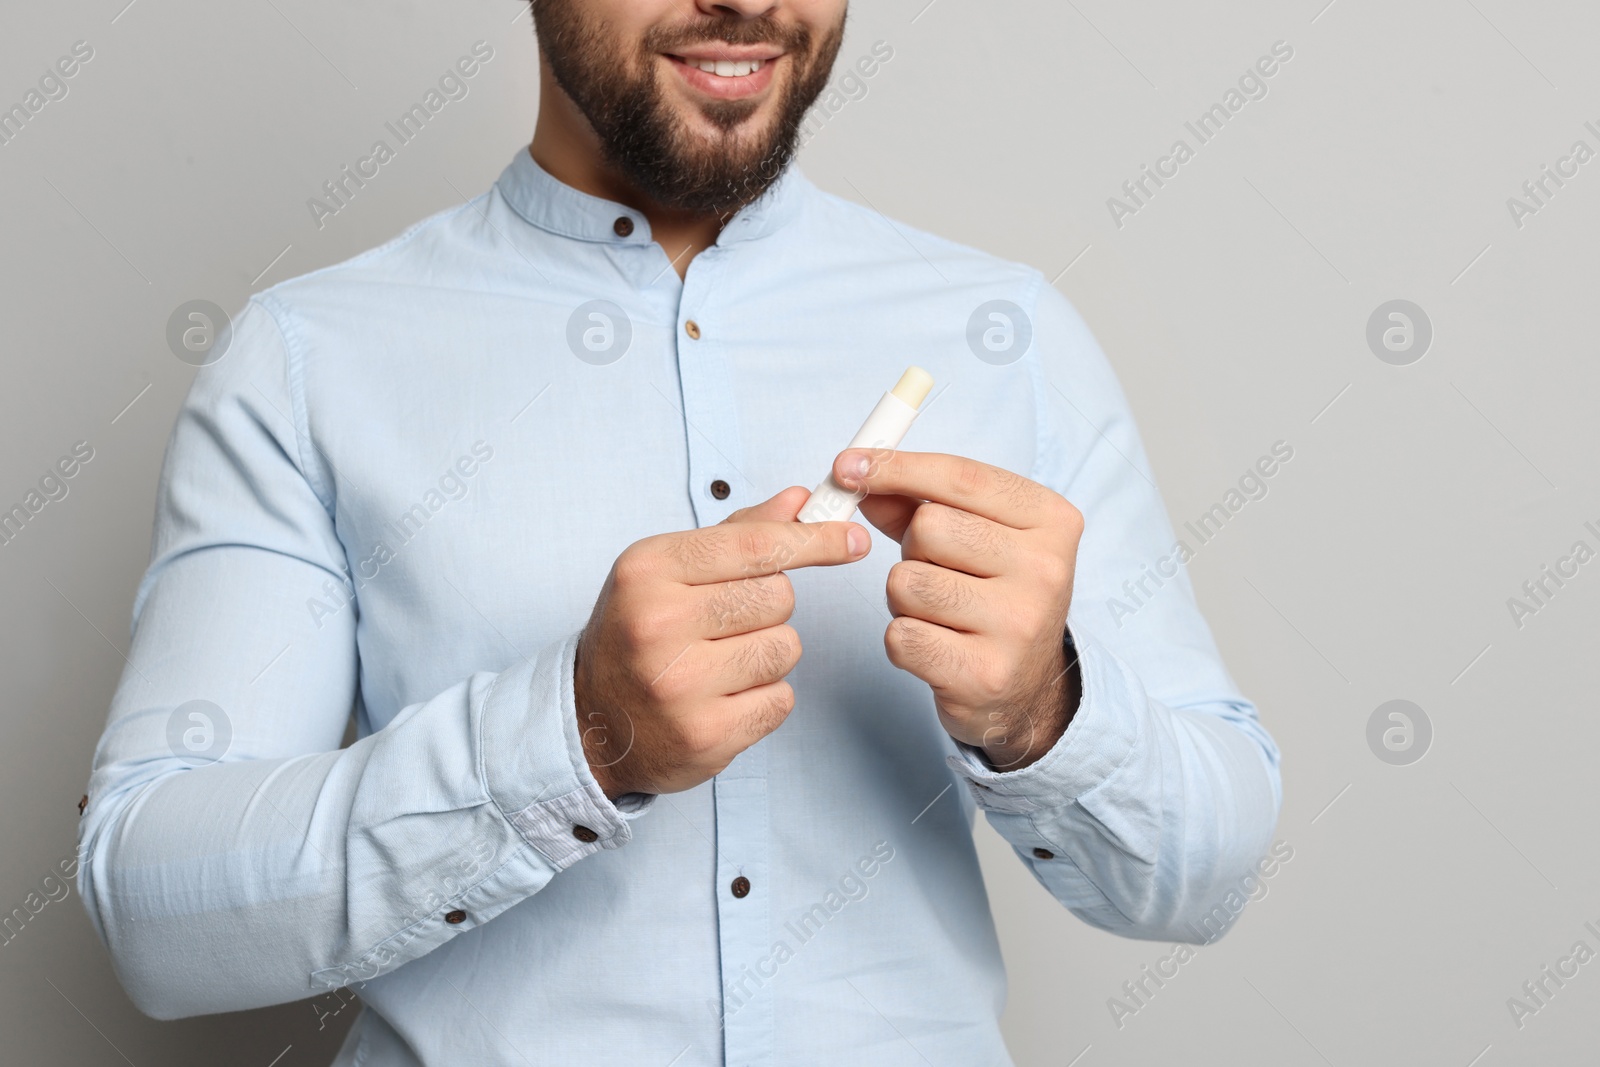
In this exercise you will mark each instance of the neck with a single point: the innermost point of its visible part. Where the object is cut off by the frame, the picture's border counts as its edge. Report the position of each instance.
(568, 148)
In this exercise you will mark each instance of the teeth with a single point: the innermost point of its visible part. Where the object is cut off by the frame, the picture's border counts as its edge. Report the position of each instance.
(728, 68)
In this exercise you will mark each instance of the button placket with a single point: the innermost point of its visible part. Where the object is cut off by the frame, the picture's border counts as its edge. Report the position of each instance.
(745, 923)
(709, 409)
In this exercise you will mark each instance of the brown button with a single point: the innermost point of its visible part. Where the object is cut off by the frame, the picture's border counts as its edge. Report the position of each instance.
(623, 226)
(692, 328)
(720, 489)
(84, 803)
(741, 886)
(584, 834)
(1044, 854)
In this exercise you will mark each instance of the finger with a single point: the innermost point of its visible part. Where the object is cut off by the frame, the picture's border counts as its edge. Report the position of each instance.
(744, 661)
(782, 507)
(890, 514)
(723, 609)
(727, 665)
(756, 712)
(936, 654)
(961, 541)
(981, 488)
(935, 594)
(729, 551)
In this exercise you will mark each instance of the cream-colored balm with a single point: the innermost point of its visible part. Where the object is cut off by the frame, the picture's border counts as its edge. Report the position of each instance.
(885, 428)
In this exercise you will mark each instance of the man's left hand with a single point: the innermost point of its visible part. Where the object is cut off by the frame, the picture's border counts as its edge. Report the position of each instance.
(980, 595)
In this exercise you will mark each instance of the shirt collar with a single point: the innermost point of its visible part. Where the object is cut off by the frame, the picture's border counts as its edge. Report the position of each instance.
(550, 204)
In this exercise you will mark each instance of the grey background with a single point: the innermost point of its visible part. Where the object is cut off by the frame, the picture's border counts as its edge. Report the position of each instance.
(1234, 305)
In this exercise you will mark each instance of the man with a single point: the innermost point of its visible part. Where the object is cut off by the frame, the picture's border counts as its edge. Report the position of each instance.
(514, 485)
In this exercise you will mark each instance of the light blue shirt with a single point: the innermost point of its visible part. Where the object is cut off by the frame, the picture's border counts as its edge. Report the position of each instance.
(403, 485)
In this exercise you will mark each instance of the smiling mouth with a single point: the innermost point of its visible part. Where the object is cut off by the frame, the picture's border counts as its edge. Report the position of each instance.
(723, 68)
(727, 73)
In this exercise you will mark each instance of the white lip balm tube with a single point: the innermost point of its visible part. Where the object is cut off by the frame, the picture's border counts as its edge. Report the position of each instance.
(885, 428)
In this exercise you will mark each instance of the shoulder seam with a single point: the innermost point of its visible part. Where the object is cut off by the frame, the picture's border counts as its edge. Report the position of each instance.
(299, 421)
(393, 243)
(907, 231)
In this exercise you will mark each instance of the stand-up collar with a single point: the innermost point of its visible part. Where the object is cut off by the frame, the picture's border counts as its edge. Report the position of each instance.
(550, 204)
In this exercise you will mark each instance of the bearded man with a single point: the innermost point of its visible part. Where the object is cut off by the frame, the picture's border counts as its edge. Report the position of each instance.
(522, 487)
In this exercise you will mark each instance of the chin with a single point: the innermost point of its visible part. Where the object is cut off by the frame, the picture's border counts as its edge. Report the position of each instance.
(728, 120)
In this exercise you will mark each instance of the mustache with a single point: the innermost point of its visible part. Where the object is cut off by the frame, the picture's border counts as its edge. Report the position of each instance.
(733, 31)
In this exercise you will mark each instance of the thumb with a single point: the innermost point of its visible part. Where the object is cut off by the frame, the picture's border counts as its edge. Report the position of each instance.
(783, 507)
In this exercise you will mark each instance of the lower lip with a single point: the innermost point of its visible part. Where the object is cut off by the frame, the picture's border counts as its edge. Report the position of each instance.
(725, 88)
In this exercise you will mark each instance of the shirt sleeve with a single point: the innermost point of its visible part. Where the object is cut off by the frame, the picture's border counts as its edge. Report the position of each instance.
(224, 822)
(1162, 795)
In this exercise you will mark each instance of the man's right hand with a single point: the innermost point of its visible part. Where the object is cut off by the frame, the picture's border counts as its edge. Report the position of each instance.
(681, 665)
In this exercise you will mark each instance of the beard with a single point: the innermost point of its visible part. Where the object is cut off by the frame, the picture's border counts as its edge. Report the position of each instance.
(643, 137)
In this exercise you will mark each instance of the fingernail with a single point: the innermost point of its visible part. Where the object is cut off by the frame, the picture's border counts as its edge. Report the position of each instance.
(855, 467)
(858, 541)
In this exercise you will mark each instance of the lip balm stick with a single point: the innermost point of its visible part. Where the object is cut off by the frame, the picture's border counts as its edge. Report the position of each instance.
(884, 428)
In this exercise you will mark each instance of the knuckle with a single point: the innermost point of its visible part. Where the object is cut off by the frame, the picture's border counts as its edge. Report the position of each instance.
(1017, 489)
(700, 737)
(894, 643)
(901, 581)
(730, 605)
(894, 638)
(697, 552)
(762, 599)
(926, 520)
(992, 679)
(782, 592)
(1041, 618)
(758, 546)
(965, 528)
(914, 643)
(790, 645)
(774, 708)
(1071, 517)
(637, 563)
(770, 593)
(968, 478)
(691, 551)
(929, 586)
(643, 626)
(1051, 570)
(750, 658)
(772, 656)
(633, 632)
(936, 590)
(710, 768)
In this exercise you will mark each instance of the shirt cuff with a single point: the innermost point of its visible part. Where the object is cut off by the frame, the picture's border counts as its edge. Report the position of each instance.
(534, 768)
(1094, 745)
